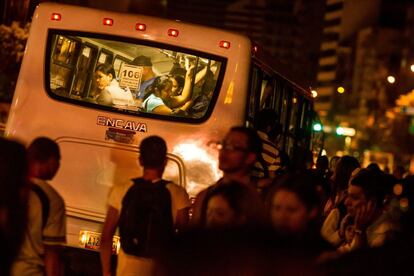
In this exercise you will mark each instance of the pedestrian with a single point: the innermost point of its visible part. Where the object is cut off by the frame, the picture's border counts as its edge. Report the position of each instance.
(238, 153)
(232, 205)
(147, 210)
(13, 198)
(46, 225)
(335, 209)
(365, 203)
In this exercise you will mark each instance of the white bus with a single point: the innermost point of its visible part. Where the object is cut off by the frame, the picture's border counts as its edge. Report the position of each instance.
(57, 96)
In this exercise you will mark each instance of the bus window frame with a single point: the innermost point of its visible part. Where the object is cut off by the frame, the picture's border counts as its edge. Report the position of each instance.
(71, 67)
(108, 54)
(80, 103)
(255, 80)
(93, 65)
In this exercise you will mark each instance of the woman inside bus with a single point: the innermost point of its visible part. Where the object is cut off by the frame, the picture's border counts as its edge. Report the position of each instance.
(109, 91)
(164, 97)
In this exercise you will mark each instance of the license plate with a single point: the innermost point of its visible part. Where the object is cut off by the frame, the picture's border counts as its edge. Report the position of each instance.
(92, 240)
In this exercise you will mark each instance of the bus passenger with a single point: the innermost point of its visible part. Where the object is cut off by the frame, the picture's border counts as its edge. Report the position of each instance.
(177, 84)
(148, 77)
(202, 96)
(110, 93)
(160, 99)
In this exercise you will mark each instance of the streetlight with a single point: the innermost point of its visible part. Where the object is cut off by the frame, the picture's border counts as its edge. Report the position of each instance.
(314, 93)
(340, 90)
(317, 127)
(391, 79)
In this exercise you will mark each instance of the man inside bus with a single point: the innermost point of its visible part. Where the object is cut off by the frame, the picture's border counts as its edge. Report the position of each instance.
(148, 77)
(268, 129)
(46, 226)
(239, 151)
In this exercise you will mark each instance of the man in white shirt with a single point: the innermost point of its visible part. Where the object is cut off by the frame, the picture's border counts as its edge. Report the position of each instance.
(153, 158)
(46, 227)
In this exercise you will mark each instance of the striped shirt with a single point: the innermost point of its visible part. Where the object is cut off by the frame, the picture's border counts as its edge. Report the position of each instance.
(270, 155)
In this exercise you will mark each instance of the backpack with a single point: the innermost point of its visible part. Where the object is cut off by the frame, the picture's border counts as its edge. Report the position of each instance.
(44, 200)
(145, 222)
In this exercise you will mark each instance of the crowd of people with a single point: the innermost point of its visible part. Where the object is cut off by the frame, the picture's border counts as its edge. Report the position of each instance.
(335, 219)
(181, 92)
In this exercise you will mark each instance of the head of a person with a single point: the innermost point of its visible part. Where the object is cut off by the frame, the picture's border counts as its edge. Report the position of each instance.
(399, 171)
(322, 163)
(365, 186)
(153, 153)
(374, 166)
(177, 83)
(44, 158)
(240, 149)
(333, 162)
(161, 87)
(104, 74)
(293, 204)
(267, 122)
(343, 170)
(146, 64)
(231, 205)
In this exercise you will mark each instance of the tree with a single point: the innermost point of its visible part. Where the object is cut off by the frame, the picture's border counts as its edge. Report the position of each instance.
(12, 44)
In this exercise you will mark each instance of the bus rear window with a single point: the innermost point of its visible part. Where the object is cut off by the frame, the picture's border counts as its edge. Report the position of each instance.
(131, 76)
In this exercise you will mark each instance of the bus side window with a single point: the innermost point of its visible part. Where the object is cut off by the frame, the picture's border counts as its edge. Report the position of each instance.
(105, 56)
(62, 65)
(284, 115)
(254, 97)
(267, 93)
(83, 73)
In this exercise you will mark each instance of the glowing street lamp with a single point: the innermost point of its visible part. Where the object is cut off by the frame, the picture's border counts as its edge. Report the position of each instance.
(314, 93)
(340, 90)
(391, 79)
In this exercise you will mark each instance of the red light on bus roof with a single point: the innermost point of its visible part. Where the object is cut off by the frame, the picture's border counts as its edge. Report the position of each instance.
(140, 27)
(56, 16)
(108, 22)
(224, 44)
(173, 32)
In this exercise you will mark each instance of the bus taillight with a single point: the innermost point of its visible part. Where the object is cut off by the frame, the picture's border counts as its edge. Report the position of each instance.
(140, 27)
(108, 22)
(224, 44)
(56, 16)
(173, 32)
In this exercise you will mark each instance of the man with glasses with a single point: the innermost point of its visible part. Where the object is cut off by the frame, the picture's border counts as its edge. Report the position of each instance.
(238, 153)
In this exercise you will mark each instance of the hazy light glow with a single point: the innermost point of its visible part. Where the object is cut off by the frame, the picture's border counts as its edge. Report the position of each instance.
(398, 189)
(201, 165)
(317, 127)
(412, 68)
(391, 79)
(339, 131)
(340, 90)
(314, 93)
